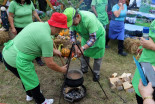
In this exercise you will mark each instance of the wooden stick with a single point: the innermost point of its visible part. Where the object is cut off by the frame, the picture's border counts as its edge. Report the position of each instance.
(137, 57)
(59, 56)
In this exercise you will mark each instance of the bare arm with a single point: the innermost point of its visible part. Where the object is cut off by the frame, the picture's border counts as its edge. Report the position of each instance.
(94, 10)
(106, 8)
(118, 12)
(52, 65)
(11, 21)
(148, 101)
(56, 52)
(36, 15)
(146, 92)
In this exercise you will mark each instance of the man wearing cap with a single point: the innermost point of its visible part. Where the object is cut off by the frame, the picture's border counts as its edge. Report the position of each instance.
(33, 41)
(93, 37)
(147, 55)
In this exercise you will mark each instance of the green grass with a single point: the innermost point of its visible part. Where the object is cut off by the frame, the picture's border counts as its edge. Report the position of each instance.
(11, 91)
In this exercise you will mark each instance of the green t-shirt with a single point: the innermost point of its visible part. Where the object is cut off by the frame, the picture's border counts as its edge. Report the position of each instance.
(95, 2)
(34, 39)
(100, 6)
(22, 13)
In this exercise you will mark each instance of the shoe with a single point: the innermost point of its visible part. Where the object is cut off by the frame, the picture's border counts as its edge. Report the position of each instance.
(28, 98)
(123, 53)
(40, 63)
(96, 77)
(84, 70)
(48, 101)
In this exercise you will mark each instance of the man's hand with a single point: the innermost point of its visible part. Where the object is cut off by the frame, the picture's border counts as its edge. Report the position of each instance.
(77, 51)
(56, 52)
(64, 69)
(121, 5)
(14, 31)
(139, 51)
(145, 91)
(148, 44)
(52, 65)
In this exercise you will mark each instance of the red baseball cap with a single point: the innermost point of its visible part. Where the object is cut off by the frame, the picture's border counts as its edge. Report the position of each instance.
(58, 20)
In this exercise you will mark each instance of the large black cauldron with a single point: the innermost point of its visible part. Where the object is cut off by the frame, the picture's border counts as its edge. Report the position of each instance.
(74, 78)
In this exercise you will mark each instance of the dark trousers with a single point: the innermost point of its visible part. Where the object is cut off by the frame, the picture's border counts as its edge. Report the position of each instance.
(0, 56)
(107, 35)
(120, 46)
(35, 93)
(139, 99)
(18, 29)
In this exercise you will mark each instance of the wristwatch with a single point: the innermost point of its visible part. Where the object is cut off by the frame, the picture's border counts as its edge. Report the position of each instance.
(83, 48)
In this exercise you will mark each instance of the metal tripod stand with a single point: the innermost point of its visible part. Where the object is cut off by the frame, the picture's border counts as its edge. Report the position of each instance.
(68, 64)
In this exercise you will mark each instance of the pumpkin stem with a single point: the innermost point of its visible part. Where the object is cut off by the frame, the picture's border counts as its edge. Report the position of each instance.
(59, 48)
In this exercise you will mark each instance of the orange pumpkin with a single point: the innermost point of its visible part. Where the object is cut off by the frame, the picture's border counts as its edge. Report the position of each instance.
(66, 32)
(65, 52)
(61, 34)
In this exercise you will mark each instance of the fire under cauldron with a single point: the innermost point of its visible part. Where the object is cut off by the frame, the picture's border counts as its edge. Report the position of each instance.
(74, 90)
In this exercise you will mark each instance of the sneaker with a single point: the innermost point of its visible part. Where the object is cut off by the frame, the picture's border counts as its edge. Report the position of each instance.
(28, 98)
(48, 101)
(96, 77)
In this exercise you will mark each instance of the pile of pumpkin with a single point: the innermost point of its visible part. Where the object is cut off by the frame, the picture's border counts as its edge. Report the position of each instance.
(63, 41)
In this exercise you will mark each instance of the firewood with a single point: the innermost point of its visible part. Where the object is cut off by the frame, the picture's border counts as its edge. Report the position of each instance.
(114, 75)
(131, 77)
(67, 89)
(113, 80)
(118, 83)
(126, 79)
(128, 75)
(127, 85)
(119, 88)
(112, 86)
(123, 75)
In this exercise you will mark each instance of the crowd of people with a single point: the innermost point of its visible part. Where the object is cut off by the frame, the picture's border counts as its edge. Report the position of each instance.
(33, 41)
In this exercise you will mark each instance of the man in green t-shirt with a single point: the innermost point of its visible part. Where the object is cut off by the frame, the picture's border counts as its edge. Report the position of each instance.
(34, 41)
(93, 38)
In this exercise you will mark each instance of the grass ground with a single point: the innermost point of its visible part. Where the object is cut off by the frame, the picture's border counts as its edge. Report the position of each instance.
(11, 91)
